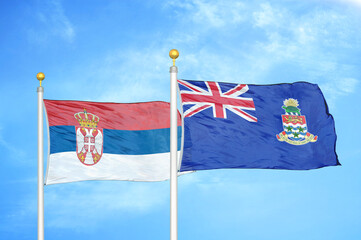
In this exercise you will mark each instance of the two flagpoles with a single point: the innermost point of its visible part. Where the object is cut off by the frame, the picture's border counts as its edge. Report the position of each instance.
(173, 152)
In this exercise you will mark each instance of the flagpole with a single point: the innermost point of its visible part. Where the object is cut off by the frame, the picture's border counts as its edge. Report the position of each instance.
(40, 76)
(173, 148)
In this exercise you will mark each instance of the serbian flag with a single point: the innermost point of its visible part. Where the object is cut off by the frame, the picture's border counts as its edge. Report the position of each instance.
(108, 141)
(279, 126)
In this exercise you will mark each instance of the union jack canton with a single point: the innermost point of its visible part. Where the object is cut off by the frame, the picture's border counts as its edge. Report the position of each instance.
(213, 96)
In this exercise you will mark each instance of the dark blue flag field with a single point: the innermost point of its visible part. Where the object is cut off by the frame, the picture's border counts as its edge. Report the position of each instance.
(280, 126)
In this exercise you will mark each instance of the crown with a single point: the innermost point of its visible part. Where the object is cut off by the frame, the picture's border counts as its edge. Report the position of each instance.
(291, 102)
(86, 119)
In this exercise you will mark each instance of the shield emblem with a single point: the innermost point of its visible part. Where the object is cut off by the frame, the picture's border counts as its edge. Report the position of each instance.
(89, 138)
(89, 145)
(295, 127)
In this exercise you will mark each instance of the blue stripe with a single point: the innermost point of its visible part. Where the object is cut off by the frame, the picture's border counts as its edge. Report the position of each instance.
(63, 139)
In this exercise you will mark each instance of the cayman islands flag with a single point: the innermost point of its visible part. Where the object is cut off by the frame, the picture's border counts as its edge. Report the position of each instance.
(281, 126)
(108, 141)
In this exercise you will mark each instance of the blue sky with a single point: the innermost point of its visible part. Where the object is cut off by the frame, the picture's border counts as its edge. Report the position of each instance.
(118, 51)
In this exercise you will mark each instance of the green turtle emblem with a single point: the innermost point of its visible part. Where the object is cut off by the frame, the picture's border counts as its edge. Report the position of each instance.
(291, 106)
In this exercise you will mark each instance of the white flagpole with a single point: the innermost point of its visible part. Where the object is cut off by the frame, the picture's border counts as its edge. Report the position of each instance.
(173, 148)
(40, 76)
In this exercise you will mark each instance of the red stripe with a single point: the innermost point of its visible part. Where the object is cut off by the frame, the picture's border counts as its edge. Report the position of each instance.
(119, 116)
(188, 86)
(218, 104)
(238, 88)
(244, 113)
(217, 100)
(294, 119)
(197, 110)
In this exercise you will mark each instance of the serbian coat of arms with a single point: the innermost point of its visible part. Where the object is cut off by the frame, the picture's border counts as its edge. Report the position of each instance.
(295, 129)
(89, 138)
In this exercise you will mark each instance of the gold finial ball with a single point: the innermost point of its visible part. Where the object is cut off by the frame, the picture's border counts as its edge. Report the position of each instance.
(173, 53)
(40, 76)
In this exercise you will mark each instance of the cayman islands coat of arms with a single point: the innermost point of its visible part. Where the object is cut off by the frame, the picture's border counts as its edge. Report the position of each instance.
(295, 129)
(89, 139)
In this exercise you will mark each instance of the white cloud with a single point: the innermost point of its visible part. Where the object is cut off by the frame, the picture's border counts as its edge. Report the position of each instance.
(53, 22)
(267, 16)
(356, 3)
(81, 206)
(133, 75)
(210, 13)
(290, 38)
(348, 85)
(312, 42)
(338, 87)
(15, 152)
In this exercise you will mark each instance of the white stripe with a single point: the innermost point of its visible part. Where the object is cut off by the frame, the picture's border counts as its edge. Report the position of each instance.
(66, 167)
(239, 107)
(197, 105)
(203, 92)
(196, 93)
(232, 109)
(292, 136)
(239, 92)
